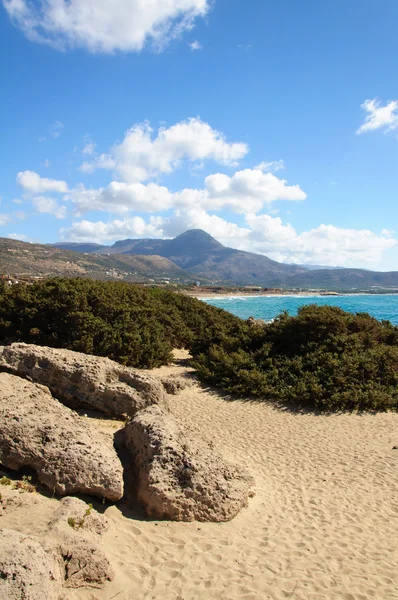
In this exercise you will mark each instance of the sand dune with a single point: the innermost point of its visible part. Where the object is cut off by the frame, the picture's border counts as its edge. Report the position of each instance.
(322, 526)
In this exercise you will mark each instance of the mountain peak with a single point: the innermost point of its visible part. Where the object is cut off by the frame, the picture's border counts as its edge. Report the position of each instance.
(197, 236)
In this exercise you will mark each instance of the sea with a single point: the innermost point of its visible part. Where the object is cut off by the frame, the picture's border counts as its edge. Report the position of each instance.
(383, 306)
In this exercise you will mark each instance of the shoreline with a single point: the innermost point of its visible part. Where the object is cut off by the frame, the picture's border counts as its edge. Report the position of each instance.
(237, 296)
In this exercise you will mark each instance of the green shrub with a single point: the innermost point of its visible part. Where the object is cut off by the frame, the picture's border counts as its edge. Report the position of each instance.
(324, 357)
(131, 324)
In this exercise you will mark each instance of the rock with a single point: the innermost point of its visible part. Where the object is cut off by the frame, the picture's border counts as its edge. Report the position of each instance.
(84, 381)
(69, 455)
(84, 564)
(72, 510)
(27, 570)
(182, 479)
(174, 385)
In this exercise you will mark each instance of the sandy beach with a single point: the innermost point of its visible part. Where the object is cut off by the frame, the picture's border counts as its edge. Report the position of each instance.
(322, 526)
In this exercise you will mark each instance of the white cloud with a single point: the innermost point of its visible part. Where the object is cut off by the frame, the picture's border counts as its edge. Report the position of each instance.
(32, 182)
(246, 191)
(379, 117)
(272, 167)
(195, 45)
(104, 25)
(48, 205)
(4, 219)
(119, 197)
(101, 232)
(140, 156)
(326, 244)
(47, 163)
(17, 201)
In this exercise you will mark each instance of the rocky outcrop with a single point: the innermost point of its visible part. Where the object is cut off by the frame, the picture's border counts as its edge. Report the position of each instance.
(68, 454)
(84, 381)
(27, 570)
(182, 479)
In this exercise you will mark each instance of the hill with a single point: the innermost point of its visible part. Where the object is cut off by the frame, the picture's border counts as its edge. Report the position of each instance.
(204, 258)
(344, 279)
(22, 259)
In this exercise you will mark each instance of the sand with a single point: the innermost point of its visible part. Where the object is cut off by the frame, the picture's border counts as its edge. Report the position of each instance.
(322, 526)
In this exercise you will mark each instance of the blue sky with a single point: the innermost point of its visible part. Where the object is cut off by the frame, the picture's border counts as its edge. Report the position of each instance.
(273, 126)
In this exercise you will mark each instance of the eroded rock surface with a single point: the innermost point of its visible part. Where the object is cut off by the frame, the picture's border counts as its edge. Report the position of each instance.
(84, 381)
(68, 454)
(27, 570)
(83, 562)
(183, 479)
(74, 511)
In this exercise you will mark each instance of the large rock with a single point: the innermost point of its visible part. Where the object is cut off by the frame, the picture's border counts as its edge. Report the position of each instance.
(83, 562)
(182, 479)
(67, 452)
(27, 570)
(84, 381)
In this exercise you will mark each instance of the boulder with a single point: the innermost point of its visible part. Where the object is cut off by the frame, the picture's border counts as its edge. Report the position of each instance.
(27, 570)
(181, 478)
(68, 454)
(72, 513)
(84, 381)
(83, 563)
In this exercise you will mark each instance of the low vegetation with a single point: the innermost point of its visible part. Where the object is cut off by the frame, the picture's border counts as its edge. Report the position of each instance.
(324, 358)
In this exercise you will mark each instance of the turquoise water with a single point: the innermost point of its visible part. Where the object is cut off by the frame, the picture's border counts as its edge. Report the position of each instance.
(268, 307)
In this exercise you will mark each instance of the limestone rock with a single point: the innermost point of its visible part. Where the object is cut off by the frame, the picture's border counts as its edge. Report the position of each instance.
(84, 381)
(72, 510)
(69, 456)
(183, 479)
(27, 570)
(83, 562)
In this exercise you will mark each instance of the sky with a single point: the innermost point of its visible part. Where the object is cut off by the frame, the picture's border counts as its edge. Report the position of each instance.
(273, 126)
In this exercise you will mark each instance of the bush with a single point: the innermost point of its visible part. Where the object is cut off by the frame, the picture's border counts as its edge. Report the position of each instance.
(324, 357)
(130, 324)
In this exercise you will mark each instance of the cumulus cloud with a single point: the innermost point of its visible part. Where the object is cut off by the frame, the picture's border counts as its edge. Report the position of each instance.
(101, 232)
(32, 183)
(119, 197)
(141, 156)
(104, 26)
(247, 190)
(379, 116)
(264, 234)
(50, 206)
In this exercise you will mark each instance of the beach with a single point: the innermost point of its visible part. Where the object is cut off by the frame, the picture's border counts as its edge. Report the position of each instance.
(322, 526)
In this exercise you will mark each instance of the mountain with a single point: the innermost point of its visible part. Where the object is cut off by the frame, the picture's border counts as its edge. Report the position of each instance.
(199, 254)
(22, 259)
(343, 279)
